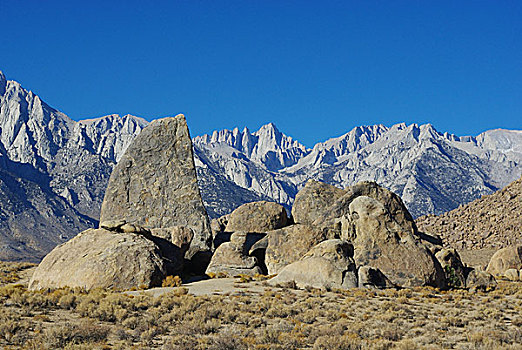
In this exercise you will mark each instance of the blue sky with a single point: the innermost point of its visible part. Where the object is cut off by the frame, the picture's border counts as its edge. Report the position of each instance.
(314, 68)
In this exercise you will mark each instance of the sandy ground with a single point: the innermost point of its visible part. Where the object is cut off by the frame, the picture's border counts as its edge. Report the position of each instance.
(209, 287)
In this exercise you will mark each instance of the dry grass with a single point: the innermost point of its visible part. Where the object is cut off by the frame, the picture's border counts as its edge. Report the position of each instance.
(279, 318)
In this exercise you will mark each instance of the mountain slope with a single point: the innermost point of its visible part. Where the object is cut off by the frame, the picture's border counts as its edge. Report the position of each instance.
(53, 170)
(492, 221)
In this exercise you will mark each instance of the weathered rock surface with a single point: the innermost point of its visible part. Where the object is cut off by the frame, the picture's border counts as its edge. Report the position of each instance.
(180, 236)
(391, 202)
(288, 244)
(504, 259)
(479, 279)
(112, 225)
(314, 201)
(154, 184)
(327, 265)
(326, 207)
(219, 224)
(512, 274)
(369, 277)
(492, 221)
(257, 217)
(381, 242)
(231, 258)
(98, 258)
(453, 268)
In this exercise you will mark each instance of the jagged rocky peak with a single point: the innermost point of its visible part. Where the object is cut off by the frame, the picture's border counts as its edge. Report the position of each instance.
(110, 135)
(267, 145)
(353, 140)
(31, 131)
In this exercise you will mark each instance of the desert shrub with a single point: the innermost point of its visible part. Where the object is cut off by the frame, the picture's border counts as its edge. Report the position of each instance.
(9, 271)
(181, 342)
(336, 342)
(217, 275)
(197, 326)
(86, 332)
(13, 330)
(171, 281)
(67, 301)
(227, 340)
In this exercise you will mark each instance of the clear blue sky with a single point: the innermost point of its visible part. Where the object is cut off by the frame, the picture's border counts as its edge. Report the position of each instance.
(314, 68)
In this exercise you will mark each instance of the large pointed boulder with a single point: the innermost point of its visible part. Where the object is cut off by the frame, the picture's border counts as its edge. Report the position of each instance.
(154, 185)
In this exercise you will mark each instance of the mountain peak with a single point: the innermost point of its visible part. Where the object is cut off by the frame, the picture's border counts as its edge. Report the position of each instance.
(270, 127)
(115, 118)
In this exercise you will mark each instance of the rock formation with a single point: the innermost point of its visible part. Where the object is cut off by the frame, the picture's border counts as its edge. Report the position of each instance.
(257, 217)
(327, 265)
(98, 258)
(154, 184)
(314, 201)
(372, 278)
(453, 268)
(478, 279)
(231, 258)
(504, 259)
(151, 215)
(381, 242)
(512, 274)
(387, 245)
(287, 245)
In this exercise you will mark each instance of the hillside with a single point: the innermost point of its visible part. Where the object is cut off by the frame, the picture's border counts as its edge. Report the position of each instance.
(492, 221)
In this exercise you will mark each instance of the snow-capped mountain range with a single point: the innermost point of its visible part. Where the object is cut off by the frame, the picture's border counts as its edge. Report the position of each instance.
(431, 171)
(53, 170)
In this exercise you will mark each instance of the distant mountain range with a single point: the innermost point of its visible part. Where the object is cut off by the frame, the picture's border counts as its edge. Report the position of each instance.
(431, 171)
(53, 170)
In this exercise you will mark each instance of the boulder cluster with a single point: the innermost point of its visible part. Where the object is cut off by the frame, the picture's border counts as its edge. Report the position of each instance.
(153, 224)
(362, 236)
